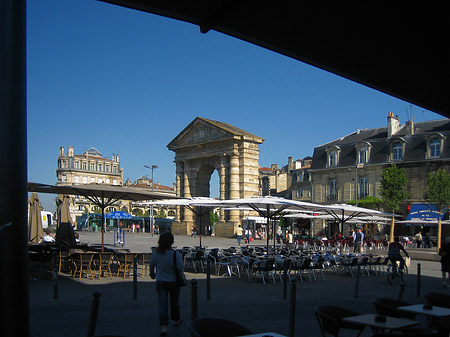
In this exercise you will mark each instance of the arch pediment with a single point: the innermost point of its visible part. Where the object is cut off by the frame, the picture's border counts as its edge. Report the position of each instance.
(203, 131)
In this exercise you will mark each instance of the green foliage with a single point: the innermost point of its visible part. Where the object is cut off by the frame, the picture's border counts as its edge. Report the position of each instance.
(284, 222)
(368, 202)
(213, 218)
(161, 214)
(438, 189)
(138, 212)
(393, 187)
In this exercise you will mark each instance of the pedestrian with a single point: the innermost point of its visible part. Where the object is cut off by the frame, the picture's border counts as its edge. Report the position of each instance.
(290, 239)
(358, 238)
(418, 238)
(166, 282)
(248, 235)
(239, 234)
(426, 241)
(444, 252)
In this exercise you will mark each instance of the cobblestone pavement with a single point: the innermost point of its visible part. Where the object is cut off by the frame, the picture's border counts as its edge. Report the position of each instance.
(259, 307)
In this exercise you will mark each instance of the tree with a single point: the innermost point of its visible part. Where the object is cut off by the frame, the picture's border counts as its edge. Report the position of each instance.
(438, 193)
(368, 202)
(393, 191)
(161, 214)
(137, 212)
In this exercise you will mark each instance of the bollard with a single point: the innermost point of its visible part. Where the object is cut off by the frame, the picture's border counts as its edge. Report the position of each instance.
(194, 299)
(358, 271)
(292, 309)
(94, 311)
(135, 278)
(208, 280)
(55, 276)
(401, 289)
(418, 279)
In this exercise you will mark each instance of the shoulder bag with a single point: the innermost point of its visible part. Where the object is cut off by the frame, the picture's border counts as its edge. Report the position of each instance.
(181, 278)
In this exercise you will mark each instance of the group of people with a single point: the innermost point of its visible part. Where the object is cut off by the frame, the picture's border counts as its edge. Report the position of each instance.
(422, 240)
(240, 233)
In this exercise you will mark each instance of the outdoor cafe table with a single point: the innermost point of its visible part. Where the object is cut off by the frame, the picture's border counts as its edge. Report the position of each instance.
(391, 323)
(434, 311)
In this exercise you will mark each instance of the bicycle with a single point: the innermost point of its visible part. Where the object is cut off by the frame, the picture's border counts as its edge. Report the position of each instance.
(395, 274)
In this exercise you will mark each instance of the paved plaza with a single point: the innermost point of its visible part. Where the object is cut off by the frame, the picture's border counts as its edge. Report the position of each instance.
(259, 307)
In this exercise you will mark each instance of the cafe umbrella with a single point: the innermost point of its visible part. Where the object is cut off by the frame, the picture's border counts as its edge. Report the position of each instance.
(200, 206)
(65, 237)
(271, 208)
(101, 195)
(35, 230)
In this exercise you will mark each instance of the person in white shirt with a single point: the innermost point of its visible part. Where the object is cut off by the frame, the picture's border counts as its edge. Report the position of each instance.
(47, 237)
(239, 234)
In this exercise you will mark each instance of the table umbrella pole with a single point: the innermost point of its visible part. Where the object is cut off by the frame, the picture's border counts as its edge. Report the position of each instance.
(102, 224)
(268, 227)
(200, 226)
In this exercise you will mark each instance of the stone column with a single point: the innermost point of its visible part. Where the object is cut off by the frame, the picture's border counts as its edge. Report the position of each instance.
(179, 185)
(188, 215)
(234, 185)
(222, 174)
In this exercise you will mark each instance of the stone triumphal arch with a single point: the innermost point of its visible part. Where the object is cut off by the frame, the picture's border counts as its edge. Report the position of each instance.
(203, 147)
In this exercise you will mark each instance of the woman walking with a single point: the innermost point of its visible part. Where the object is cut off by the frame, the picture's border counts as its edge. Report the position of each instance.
(166, 283)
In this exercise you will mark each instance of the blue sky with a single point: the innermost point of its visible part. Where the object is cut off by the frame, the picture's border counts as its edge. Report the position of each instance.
(128, 82)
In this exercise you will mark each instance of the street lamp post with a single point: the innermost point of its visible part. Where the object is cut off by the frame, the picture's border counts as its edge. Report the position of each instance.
(151, 206)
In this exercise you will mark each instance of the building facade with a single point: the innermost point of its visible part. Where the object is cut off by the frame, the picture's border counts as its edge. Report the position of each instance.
(350, 167)
(291, 181)
(92, 168)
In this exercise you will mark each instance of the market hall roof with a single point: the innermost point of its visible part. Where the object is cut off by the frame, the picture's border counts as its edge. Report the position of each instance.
(399, 49)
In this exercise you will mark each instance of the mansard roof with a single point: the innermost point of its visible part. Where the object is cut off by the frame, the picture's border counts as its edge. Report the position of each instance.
(377, 138)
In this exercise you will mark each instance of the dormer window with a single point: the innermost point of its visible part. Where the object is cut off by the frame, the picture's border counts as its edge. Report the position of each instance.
(333, 156)
(397, 149)
(434, 146)
(363, 152)
(362, 155)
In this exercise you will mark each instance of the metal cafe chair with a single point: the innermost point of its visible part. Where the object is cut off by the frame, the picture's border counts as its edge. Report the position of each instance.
(143, 260)
(330, 319)
(83, 264)
(125, 263)
(102, 263)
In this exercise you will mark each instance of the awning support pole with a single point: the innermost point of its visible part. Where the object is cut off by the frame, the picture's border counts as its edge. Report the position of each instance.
(13, 189)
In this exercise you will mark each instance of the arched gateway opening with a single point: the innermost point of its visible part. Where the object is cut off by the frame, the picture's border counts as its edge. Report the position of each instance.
(204, 147)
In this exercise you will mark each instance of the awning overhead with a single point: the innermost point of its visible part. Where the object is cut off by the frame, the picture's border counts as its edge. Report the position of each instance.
(397, 48)
(423, 212)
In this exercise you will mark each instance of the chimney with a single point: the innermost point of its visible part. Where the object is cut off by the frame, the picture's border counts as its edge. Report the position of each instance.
(290, 166)
(70, 153)
(61, 151)
(410, 127)
(393, 124)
